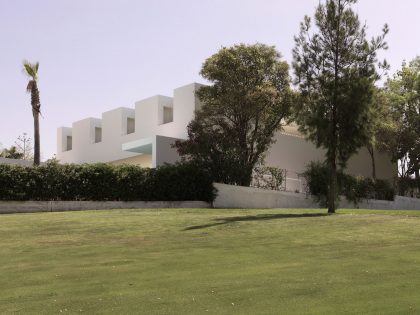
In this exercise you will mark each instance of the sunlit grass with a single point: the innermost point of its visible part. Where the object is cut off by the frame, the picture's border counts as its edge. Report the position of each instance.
(210, 261)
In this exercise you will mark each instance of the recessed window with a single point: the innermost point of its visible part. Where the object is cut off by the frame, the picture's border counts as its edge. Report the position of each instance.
(69, 143)
(167, 115)
(98, 134)
(131, 127)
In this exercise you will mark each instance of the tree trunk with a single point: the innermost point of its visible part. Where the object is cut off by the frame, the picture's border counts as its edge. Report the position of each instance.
(37, 156)
(372, 157)
(332, 154)
(246, 177)
(332, 183)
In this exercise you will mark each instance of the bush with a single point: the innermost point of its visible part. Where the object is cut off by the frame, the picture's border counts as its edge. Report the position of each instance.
(53, 181)
(408, 186)
(384, 190)
(355, 189)
(316, 176)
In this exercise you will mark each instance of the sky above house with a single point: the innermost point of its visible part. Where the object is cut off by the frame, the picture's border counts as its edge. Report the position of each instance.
(96, 55)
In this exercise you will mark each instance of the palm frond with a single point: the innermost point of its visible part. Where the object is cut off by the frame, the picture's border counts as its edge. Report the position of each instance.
(31, 69)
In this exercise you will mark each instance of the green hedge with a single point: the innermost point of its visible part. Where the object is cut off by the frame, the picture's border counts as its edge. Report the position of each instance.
(53, 181)
(353, 188)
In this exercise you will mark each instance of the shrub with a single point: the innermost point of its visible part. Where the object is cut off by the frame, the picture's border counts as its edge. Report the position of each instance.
(384, 190)
(408, 186)
(53, 181)
(355, 189)
(316, 175)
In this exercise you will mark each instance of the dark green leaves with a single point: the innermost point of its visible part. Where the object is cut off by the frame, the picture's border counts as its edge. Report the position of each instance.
(53, 181)
(244, 106)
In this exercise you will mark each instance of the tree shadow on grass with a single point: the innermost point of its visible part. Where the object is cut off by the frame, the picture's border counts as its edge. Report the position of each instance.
(260, 217)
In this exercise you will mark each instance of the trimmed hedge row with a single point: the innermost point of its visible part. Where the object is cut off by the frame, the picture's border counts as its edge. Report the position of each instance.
(104, 182)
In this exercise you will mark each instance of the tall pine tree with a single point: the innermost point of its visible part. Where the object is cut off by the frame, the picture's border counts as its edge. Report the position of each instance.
(336, 69)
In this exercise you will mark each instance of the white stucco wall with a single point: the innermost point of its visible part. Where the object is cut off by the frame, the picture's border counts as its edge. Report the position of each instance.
(229, 196)
(85, 150)
(149, 119)
(165, 153)
(293, 152)
(16, 162)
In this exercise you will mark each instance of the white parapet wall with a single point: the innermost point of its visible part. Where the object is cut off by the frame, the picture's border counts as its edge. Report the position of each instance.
(155, 123)
(399, 203)
(230, 196)
(16, 162)
(9, 207)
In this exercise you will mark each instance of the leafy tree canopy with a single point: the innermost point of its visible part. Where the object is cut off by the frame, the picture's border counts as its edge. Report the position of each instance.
(403, 92)
(11, 153)
(244, 106)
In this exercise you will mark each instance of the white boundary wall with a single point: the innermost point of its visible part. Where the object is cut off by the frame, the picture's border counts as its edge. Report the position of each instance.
(400, 203)
(54, 206)
(16, 162)
(229, 196)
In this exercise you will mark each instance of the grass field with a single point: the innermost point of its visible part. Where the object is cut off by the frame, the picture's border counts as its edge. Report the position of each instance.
(207, 261)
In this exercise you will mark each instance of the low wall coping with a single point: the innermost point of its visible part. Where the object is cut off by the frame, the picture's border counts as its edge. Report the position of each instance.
(56, 206)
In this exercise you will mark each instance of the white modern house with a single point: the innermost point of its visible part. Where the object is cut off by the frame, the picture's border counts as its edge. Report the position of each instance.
(143, 135)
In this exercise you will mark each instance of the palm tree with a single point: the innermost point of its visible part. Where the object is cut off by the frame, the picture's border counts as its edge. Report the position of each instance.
(32, 71)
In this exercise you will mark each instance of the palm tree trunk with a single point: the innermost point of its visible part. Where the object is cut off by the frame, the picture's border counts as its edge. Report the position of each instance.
(37, 156)
(36, 106)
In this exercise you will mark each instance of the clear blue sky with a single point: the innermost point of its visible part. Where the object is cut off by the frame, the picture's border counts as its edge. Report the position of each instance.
(96, 55)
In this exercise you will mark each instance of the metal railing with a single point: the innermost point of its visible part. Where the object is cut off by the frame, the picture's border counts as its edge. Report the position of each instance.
(290, 181)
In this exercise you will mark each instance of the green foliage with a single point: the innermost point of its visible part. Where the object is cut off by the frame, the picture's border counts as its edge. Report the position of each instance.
(335, 69)
(53, 181)
(242, 109)
(268, 177)
(12, 153)
(31, 69)
(403, 92)
(408, 186)
(381, 127)
(384, 190)
(316, 175)
(354, 188)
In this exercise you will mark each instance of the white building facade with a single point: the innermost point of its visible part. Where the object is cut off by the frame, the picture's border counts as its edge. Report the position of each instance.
(144, 136)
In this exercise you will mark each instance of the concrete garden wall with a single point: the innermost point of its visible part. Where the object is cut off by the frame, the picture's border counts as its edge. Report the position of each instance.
(229, 196)
(53, 206)
(16, 162)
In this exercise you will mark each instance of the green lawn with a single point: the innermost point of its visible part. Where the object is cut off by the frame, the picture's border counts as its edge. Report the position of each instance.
(207, 261)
